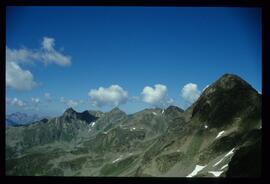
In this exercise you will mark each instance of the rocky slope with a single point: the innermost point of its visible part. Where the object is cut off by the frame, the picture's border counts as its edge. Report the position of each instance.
(214, 137)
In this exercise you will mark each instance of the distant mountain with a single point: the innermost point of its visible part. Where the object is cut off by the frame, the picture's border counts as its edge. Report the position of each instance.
(216, 136)
(19, 118)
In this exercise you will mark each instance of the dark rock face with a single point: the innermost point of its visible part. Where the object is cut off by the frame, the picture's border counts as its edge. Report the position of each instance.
(247, 161)
(220, 132)
(174, 112)
(84, 116)
(229, 97)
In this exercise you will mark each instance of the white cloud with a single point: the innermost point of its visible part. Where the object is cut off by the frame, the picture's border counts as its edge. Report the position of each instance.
(72, 103)
(35, 100)
(22, 55)
(49, 55)
(112, 96)
(190, 92)
(156, 95)
(48, 43)
(48, 97)
(62, 99)
(21, 79)
(16, 102)
(18, 78)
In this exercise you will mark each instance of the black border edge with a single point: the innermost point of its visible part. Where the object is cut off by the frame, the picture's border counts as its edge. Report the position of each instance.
(206, 3)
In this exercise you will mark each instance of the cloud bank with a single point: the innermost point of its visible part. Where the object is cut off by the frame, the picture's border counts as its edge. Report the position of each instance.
(21, 79)
(15, 102)
(114, 95)
(17, 78)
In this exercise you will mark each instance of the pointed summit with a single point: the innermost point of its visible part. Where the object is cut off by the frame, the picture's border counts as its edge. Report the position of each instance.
(219, 103)
(116, 110)
(174, 111)
(174, 108)
(229, 82)
(70, 112)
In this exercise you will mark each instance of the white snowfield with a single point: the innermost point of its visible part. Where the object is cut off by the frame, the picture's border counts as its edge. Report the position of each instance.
(162, 111)
(197, 169)
(205, 126)
(93, 124)
(220, 134)
(133, 128)
(229, 153)
(154, 113)
(216, 173)
(89, 129)
(223, 167)
(105, 132)
(116, 160)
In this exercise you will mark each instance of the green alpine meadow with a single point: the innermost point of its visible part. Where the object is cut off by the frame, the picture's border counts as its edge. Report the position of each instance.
(217, 136)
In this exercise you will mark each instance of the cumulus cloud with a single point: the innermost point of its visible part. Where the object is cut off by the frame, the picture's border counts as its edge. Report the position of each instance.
(155, 96)
(35, 100)
(112, 96)
(21, 79)
(62, 99)
(48, 43)
(72, 103)
(18, 78)
(46, 54)
(190, 92)
(48, 97)
(22, 55)
(16, 102)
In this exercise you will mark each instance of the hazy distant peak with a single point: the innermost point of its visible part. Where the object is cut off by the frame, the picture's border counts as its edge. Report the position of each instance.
(116, 110)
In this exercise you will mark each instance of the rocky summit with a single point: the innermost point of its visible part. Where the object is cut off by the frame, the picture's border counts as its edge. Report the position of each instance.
(216, 136)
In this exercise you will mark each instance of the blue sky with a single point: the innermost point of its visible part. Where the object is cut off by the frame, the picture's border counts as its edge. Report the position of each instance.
(69, 51)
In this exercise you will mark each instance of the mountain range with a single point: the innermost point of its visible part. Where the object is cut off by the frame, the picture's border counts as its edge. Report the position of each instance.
(216, 136)
(18, 118)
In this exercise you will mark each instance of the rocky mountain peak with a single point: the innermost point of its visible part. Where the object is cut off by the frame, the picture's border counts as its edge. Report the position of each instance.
(219, 103)
(228, 82)
(70, 112)
(174, 108)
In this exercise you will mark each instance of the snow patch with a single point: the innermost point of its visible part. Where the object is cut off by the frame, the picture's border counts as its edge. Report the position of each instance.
(197, 169)
(133, 128)
(229, 153)
(154, 113)
(220, 134)
(162, 111)
(116, 160)
(205, 126)
(223, 167)
(216, 173)
(93, 124)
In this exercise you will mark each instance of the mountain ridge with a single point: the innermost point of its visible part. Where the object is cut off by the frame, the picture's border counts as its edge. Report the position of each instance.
(216, 133)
